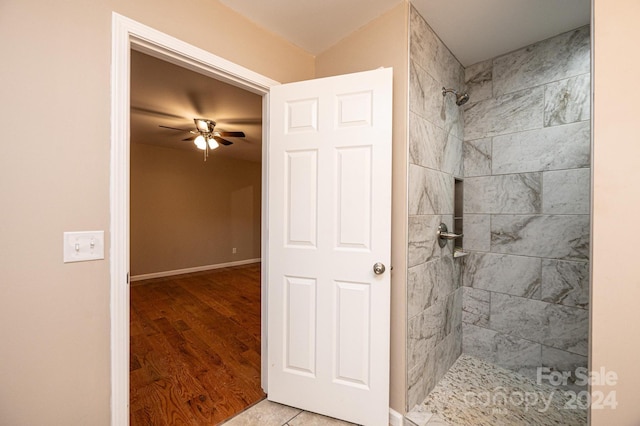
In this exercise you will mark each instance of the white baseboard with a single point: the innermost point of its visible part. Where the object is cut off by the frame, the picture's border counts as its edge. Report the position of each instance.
(190, 270)
(395, 418)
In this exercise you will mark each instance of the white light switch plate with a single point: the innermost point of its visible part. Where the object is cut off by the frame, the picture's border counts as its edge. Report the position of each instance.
(85, 245)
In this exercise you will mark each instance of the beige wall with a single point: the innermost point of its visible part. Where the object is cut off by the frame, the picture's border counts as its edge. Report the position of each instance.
(187, 213)
(616, 207)
(214, 27)
(54, 177)
(384, 43)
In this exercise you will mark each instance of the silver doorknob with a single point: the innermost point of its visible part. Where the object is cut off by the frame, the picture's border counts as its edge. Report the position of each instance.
(378, 268)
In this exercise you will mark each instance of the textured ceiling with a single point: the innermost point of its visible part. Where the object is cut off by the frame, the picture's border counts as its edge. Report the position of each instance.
(474, 30)
(478, 30)
(313, 25)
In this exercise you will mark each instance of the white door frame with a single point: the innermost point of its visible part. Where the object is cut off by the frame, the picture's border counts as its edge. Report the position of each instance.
(128, 34)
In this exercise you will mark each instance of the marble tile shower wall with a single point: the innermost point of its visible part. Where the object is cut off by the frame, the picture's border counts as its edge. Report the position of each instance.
(436, 129)
(526, 206)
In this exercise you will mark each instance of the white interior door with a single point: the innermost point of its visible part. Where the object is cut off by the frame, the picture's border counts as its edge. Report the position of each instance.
(329, 223)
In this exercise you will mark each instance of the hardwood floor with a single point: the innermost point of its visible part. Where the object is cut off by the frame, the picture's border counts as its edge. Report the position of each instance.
(195, 347)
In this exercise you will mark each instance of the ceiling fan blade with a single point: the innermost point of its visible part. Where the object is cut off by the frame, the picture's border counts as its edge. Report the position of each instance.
(173, 128)
(222, 141)
(142, 110)
(223, 121)
(232, 134)
(188, 139)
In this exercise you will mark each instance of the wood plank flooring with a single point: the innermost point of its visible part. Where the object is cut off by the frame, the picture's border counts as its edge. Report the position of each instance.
(195, 347)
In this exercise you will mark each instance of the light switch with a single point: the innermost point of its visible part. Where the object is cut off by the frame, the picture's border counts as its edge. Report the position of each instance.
(85, 245)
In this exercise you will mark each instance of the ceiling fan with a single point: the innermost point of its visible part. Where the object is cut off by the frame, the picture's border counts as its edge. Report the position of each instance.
(206, 137)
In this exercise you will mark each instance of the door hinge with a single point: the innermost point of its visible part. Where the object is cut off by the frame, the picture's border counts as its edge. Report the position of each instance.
(127, 278)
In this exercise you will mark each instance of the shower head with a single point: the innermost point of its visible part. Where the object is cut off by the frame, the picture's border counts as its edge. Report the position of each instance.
(461, 98)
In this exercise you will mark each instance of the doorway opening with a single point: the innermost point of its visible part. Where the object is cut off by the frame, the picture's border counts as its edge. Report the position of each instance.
(128, 35)
(194, 246)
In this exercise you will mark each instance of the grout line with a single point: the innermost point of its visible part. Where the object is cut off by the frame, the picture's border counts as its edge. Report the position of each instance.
(287, 422)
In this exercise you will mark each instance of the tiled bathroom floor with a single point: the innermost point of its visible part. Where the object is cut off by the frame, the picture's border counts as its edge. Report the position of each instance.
(472, 393)
(477, 393)
(267, 413)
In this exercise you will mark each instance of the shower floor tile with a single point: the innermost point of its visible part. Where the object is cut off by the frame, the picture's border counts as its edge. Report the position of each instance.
(477, 393)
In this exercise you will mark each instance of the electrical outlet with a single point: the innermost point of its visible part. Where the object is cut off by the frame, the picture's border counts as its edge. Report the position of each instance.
(234, 250)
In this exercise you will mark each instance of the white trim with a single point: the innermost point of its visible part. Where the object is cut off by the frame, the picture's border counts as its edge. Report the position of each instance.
(191, 270)
(119, 227)
(395, 418)
(264, 296)
(128, 34)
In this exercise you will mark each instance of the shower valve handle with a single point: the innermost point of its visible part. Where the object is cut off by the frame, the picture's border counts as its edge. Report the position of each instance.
(444, 235)
(449, 235)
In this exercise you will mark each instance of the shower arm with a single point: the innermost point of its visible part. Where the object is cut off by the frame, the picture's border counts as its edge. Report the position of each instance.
(461, 98)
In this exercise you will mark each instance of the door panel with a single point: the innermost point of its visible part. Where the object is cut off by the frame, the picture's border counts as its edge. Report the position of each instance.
(329, 222)
(353, 222)
(300, 339)
(302, 196)
(353, 333)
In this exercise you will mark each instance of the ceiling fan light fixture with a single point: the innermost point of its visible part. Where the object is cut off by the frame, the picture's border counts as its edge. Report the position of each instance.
(204, 126)
(205, 137)
(213, 144)
(200, 142)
